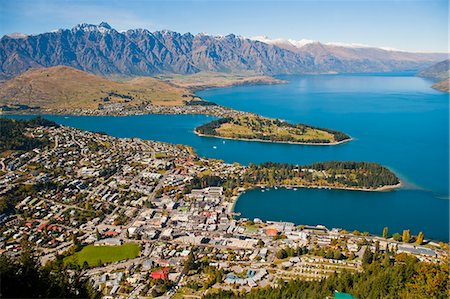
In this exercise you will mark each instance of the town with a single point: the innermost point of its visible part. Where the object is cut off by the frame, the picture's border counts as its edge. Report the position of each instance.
(140, 221)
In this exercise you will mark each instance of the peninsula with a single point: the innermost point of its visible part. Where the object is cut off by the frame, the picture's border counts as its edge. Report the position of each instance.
(258, 128)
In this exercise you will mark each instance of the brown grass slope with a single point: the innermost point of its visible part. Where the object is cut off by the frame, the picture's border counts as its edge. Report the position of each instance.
(443, 85)
(63, 87)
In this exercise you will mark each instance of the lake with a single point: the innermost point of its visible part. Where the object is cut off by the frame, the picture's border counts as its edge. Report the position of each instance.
(396, 120)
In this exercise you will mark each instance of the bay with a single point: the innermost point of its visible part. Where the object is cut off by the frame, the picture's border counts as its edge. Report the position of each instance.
(395, 119)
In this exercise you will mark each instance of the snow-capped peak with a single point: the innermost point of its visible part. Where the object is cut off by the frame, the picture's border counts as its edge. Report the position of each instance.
(281, 41)
(103, 27)
(17, 35)
(303, 42)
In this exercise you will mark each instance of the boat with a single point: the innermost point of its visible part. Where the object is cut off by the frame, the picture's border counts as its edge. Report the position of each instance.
(214, 147)
(295, 189)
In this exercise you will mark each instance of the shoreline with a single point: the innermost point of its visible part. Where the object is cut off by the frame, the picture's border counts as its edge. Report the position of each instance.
(387, 188)
(272, 81)
(274, 141)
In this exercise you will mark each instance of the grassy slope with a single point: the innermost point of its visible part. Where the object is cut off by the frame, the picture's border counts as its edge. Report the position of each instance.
(63, 87)
(205, 80)
(107, 254)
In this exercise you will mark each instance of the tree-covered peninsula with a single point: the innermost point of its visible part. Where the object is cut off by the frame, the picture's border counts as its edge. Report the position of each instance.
(254, 127)
(365, 176)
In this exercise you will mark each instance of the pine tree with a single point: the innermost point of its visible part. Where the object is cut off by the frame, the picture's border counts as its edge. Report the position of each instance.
(367, 257)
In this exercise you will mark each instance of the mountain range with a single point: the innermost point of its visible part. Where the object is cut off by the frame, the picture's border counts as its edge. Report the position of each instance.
(102, 50)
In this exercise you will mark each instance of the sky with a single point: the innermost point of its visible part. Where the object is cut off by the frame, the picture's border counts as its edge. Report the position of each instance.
(412, 25)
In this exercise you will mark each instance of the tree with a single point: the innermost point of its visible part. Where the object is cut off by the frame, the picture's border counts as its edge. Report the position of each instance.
(260, 243)
(190, 263)
(406, 238)
(281, 254)
(397, 237)
(419, 239)
(385, 232)
(23, 277)
(367, 257)
(337, 255)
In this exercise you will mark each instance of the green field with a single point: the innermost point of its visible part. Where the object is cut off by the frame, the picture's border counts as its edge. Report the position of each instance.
(107, 254)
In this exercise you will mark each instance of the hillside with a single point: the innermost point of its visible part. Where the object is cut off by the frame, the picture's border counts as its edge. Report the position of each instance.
(266, 129)
(204, 80)
(63, 87)
(444, 85)
(439, 71)
(100, 49)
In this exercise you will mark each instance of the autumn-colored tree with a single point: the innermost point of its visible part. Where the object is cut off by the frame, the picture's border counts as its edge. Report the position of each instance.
(419, 239)
(406, 236)
(429, 281)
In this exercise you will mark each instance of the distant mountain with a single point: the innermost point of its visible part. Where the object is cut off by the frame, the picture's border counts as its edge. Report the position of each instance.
(341, 57)
(443, 85)
(437, 72)
(63, 87)
(100, 49)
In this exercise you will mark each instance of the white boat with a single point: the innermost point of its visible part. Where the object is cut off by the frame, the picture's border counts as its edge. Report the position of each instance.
(214, 147)
(295, 189)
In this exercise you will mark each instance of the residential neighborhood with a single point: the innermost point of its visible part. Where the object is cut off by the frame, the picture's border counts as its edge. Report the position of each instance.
(178, 235)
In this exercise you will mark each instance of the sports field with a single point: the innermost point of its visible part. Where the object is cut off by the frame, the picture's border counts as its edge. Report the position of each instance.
(95, 255)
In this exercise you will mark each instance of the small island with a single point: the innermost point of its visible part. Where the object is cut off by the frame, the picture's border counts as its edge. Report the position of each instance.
(258, 128)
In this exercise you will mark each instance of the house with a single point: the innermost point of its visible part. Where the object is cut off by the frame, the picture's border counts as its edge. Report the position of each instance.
(271, 231)
(160, 274)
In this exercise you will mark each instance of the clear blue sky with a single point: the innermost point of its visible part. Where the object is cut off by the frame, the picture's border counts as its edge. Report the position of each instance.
(417, 25)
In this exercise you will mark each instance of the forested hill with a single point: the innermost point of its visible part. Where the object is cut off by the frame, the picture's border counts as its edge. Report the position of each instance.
(13, 133)
(407, 278)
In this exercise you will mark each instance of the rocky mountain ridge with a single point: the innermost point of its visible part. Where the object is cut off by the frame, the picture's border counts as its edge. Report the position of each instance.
(102, 50)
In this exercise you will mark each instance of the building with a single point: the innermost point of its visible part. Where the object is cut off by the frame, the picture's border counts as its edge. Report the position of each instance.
(109, 242)
(160, 274)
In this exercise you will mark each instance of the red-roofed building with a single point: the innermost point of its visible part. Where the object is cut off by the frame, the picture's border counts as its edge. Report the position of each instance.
(160, 274)
(111, 233)
(270, 231)
(42, 226)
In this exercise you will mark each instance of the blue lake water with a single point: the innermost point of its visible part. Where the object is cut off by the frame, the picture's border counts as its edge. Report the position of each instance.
(396, 120)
